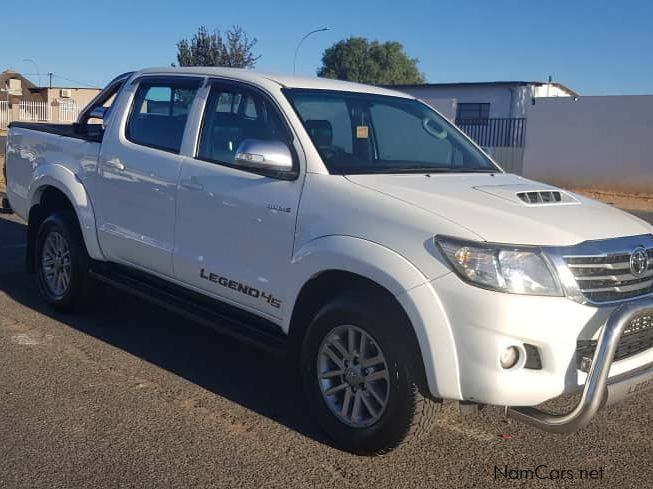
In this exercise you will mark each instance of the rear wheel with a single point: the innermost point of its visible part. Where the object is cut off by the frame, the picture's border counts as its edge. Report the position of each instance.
(360, 376)
(61, 261)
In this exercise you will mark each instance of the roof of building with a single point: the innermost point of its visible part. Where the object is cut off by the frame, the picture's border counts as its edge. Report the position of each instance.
(7, 75)
(484, 84)
(57, 87)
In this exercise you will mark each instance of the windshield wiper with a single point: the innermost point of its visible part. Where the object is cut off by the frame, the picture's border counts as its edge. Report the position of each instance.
(475, 170)
(410, 169)
(420, 169)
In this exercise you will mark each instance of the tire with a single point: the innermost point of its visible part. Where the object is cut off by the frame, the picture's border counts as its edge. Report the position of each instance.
(391, 411)
(61, 261)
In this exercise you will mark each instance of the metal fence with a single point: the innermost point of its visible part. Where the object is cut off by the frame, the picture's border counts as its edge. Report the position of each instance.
(31, 111)
(63, 111)
(4, 114)
(68, 111)
(507, 132)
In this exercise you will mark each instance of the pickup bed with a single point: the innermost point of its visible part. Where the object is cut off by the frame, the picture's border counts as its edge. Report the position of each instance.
(350, 228)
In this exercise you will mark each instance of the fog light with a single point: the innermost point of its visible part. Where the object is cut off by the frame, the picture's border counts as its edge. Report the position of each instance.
(509, 357)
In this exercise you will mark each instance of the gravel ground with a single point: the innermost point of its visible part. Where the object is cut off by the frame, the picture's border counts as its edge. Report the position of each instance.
(123, 394)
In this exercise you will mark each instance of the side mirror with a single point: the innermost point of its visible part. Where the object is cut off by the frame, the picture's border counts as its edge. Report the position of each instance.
(271, 156)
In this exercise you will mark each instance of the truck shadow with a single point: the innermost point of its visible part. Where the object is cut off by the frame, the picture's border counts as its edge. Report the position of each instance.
(225, 367)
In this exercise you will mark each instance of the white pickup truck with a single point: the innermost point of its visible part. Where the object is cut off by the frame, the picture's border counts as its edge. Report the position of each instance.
(350, 227)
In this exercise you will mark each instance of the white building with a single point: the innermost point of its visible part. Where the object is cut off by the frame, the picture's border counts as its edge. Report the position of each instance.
(492, 113)
(485, 100)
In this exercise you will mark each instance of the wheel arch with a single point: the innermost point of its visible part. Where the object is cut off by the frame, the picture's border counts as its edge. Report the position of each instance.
(327, 285)
(57, 188)
(333, 264)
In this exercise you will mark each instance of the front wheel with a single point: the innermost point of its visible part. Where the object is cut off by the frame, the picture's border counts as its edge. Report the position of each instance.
(61, 261)
(359, 374)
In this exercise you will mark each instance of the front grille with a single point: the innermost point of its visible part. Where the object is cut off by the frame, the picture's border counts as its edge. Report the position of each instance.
(604, 278)
(637, 337)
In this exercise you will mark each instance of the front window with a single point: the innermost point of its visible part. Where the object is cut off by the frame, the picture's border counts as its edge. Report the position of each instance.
(359, 133)
(232, 115)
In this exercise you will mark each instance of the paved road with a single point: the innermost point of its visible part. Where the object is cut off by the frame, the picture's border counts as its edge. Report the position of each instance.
(123, 394)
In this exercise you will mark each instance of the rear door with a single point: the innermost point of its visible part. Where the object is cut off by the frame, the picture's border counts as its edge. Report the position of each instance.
(139, 167)
(235, 228)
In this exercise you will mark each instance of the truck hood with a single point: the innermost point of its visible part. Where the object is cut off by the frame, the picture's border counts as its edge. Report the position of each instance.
(505, 208)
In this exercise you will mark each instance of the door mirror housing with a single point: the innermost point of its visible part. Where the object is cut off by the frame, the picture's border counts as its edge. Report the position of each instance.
(272, 158)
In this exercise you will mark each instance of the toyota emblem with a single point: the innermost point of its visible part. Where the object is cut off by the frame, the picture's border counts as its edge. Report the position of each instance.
(638, 261)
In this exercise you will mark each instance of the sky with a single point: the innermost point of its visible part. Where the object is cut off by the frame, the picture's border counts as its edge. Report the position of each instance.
(594, 47)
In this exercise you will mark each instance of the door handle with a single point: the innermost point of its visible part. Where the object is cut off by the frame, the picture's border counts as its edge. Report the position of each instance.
(192, 184)
(115, 163)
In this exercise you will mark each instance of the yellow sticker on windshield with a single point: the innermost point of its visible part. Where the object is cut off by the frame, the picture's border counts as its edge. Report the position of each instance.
(362, 132)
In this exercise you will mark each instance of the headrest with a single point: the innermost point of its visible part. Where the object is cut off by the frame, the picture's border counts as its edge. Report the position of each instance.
(320, 132)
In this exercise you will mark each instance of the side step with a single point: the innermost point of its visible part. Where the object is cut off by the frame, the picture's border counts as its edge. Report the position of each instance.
(224, 318)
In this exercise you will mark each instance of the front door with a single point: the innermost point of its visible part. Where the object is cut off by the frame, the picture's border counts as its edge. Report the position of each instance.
(139, 167)
(235, 228)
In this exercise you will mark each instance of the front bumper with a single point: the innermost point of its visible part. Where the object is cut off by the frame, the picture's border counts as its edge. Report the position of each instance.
(599, 389)
(463, 329)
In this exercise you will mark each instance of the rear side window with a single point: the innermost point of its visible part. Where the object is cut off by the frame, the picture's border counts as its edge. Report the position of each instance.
(159, 113)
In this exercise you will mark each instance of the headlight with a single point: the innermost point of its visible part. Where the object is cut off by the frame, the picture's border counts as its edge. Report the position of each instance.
(499, 267)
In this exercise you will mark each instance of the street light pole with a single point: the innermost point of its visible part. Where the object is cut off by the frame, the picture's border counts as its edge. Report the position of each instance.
(294, 61)
(38, 72)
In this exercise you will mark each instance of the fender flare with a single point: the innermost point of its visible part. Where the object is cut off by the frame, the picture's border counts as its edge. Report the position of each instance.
(398, 276)
(64, 180)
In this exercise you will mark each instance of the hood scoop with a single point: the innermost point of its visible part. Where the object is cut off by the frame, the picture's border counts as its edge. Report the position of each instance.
(540, 197)
(527, 195)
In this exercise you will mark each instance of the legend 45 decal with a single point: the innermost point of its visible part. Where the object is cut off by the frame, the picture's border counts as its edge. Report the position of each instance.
(247, 290)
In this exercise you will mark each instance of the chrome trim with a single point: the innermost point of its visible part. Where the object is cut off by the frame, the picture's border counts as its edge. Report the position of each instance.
(623, 288)
(603, 248)
(599, 390)
(617, 278)
(607, 266)
(263, 154)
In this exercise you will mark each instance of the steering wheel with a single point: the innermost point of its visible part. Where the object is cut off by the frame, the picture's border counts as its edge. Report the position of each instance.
(330, 151)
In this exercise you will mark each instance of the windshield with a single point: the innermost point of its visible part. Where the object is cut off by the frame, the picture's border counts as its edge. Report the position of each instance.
(358, 133)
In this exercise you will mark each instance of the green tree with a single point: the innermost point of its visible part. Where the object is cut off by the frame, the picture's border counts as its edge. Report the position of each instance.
(206, 48)
(359, 60)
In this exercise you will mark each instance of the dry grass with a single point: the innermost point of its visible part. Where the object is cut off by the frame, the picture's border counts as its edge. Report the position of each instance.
(641, 202)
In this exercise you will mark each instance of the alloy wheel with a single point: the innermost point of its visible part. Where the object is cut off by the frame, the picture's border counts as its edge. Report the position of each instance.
(353, 376)
(56, 266)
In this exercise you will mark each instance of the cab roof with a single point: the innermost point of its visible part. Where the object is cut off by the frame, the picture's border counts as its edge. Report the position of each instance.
(286, 81)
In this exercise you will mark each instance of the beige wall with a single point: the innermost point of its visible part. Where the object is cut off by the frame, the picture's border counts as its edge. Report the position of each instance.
(81, 96)
(601, 143)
